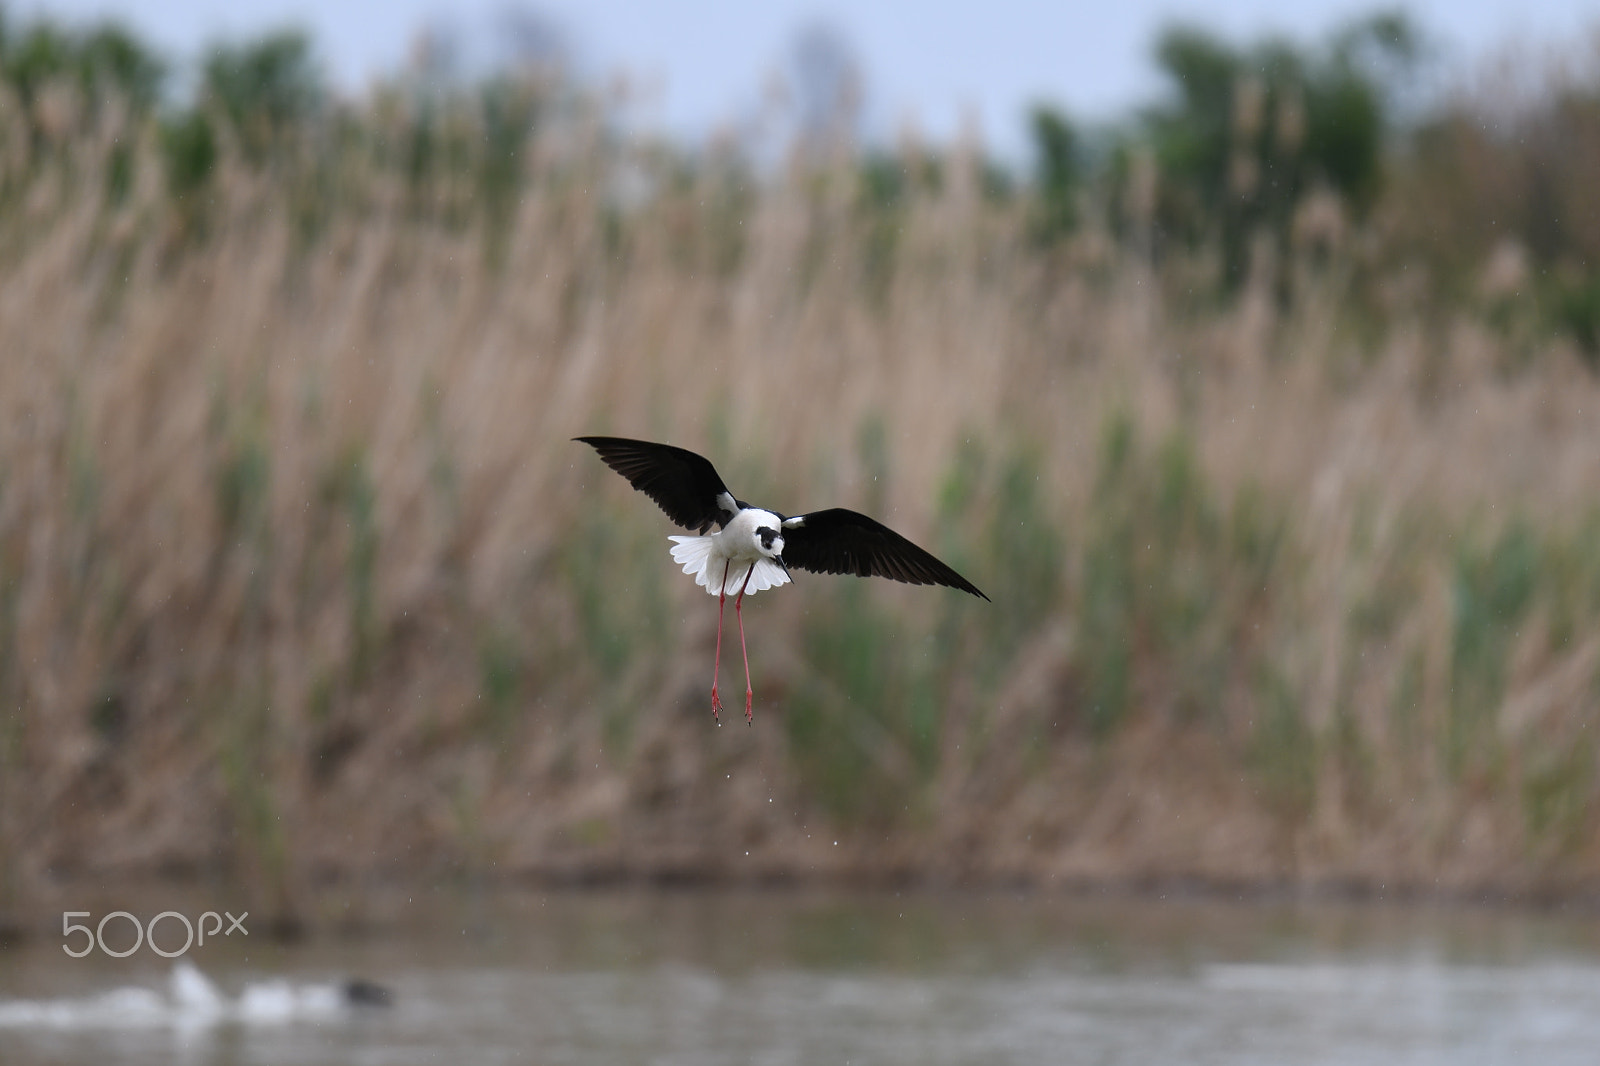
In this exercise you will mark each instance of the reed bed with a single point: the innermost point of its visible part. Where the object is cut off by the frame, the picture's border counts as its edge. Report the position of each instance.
(302, 584)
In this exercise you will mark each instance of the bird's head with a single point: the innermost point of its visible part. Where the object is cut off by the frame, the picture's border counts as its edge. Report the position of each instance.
(771, 542)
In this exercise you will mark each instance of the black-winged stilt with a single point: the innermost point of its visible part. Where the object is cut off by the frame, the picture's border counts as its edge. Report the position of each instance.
(753, 548)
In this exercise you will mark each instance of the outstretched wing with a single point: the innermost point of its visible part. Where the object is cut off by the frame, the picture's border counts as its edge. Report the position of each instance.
(838, 541)
(685, 485)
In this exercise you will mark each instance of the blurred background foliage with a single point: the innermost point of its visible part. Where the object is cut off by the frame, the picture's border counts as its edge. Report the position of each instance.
(1259, 413)
(1254, 153)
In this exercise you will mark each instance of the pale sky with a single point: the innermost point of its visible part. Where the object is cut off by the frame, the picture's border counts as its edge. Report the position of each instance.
(705, 61)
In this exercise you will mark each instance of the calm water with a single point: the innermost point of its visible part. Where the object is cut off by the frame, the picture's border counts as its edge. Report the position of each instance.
(776, 978)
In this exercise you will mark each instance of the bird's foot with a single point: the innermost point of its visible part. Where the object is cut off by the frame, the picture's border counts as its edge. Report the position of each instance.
(716, 705)
(749, 719)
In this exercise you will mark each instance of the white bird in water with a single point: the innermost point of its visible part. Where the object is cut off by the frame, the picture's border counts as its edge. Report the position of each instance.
(193, 1003)
(753, 548)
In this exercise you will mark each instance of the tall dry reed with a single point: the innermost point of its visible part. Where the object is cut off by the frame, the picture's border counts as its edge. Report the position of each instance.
(301, 578)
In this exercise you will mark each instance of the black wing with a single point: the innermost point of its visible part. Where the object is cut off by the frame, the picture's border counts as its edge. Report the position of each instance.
(686, 485)
(838, 541)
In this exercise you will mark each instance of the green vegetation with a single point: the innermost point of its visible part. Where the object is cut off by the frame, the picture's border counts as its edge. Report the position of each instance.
(1254, 131)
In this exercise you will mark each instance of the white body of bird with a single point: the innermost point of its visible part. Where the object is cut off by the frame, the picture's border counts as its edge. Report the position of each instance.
(747, 546)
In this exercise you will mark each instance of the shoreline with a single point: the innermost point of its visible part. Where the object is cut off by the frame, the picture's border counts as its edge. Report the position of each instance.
(343, 910)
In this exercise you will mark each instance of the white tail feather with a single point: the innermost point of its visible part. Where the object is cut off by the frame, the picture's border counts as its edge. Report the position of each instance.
(693, 553)
(710, 569)
(767, 575)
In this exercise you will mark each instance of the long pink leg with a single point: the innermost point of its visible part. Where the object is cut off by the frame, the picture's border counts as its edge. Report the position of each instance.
(722, 597)
(738, 612)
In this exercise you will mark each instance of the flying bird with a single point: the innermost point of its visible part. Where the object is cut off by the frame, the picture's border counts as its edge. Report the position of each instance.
(753, 548)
